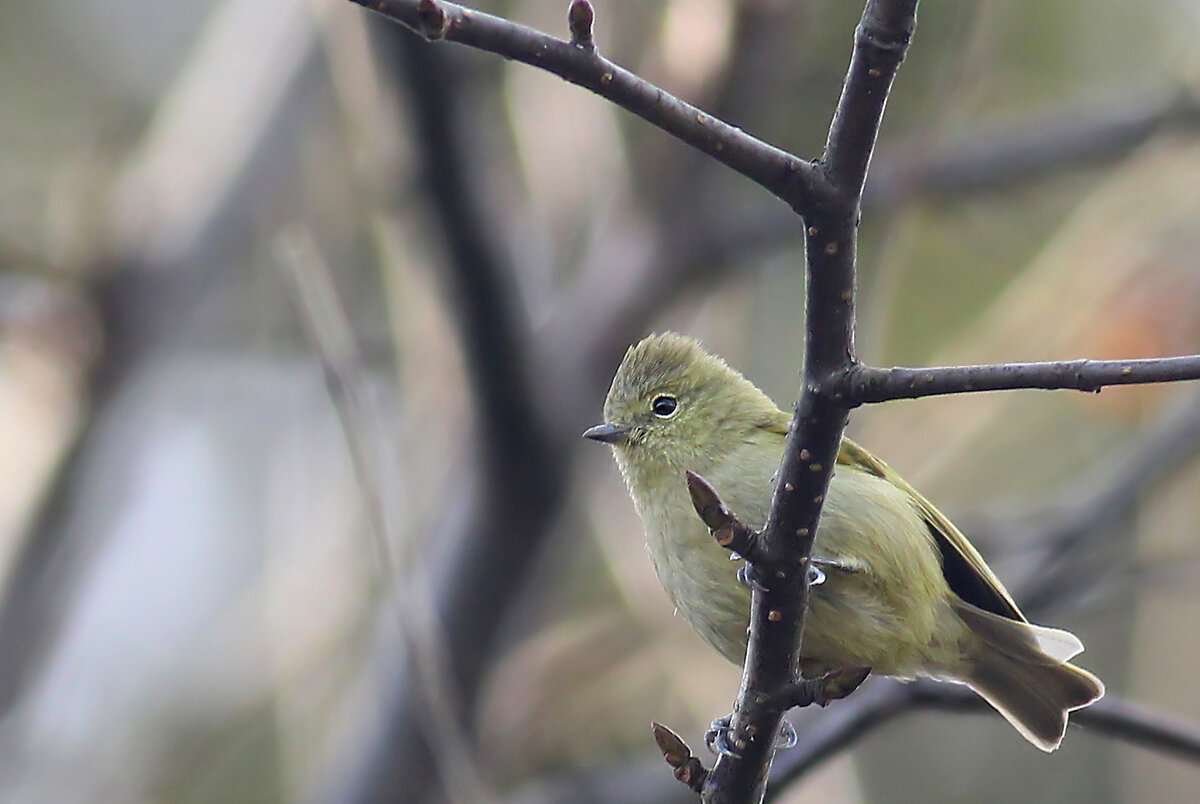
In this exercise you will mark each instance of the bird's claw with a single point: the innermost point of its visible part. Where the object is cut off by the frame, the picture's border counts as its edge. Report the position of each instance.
(748, 577)
(717, 737)
(787, 736)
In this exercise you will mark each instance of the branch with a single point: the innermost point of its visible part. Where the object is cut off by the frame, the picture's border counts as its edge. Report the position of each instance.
(881, 41)
(777, 613)
(866, 384)
(822, 690)
(778, 171)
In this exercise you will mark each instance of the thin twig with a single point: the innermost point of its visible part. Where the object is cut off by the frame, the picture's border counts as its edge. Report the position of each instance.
(518, 477)
(332, 337)
(822, 690)
(865, 384)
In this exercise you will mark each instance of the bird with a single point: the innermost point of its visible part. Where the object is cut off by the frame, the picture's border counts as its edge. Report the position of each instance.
(897, 587)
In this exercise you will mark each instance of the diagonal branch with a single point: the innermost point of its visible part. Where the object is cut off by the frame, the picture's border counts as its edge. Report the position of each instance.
(1107, 495)
(518, 480)
(333, 339)
(1031, 150)
(780, 172)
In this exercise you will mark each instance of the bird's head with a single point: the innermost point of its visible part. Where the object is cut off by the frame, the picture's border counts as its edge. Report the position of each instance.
(673, 405)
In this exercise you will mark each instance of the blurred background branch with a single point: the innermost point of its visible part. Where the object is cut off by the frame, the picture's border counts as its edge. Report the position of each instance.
(436, 715)
(168, 232)
(513, 477)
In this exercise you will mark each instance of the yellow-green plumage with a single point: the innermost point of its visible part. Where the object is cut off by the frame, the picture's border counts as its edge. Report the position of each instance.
(905, 592)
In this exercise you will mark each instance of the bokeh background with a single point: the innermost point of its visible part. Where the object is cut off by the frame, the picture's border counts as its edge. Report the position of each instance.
(300, 319)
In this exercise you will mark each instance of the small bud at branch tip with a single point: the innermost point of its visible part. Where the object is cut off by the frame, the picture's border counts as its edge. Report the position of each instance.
(678, 755)
(674, 750)
(580, 17)
(707, 503)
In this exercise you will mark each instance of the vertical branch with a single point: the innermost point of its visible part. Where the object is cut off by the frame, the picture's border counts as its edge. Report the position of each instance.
(831, 217)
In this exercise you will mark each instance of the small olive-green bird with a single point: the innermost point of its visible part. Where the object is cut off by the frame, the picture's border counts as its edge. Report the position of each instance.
(901, 590)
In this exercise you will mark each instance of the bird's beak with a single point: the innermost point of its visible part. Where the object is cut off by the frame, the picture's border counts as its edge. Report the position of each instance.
(608, 433)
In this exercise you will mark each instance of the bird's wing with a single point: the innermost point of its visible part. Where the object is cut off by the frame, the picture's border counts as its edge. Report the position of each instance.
(966, 572)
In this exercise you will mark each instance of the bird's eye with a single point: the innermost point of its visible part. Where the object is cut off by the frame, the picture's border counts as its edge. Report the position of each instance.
(664, 406)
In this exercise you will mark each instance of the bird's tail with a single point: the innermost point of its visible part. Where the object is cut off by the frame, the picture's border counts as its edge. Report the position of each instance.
(1023, 672)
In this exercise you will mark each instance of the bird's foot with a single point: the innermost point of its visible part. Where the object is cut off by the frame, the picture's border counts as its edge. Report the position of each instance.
(717, 738)
(749, 577)
(787, 736)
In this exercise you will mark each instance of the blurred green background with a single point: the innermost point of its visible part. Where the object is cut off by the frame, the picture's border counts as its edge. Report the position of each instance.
(193, 606)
